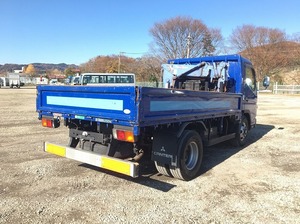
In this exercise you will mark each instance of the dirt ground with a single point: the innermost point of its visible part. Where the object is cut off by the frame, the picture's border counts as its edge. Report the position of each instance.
(259, 183)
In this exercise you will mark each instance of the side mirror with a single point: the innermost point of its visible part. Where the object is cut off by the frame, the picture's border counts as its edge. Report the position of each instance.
(266, 81)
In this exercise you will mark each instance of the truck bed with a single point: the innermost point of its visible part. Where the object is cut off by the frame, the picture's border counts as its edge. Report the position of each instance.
(133, 106)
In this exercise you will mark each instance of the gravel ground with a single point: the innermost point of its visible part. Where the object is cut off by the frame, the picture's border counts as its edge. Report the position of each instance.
(259, 183)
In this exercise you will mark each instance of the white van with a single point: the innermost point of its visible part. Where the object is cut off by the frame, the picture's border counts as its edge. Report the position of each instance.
(108, 79)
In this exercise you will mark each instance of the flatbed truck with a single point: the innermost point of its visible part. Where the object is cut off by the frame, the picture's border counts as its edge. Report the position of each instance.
(205, 101)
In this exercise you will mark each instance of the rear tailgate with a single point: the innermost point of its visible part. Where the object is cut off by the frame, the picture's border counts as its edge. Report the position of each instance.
(98, 103)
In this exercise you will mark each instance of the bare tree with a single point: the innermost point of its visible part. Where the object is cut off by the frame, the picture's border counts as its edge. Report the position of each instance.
(151, 68)
(263, 46)
(294, 52)
(249, 36)
(179, 36)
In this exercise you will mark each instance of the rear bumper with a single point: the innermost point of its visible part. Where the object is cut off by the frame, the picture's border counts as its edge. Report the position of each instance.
(113, 164)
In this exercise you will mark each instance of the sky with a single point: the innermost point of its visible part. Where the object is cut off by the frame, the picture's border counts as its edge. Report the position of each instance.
(75, 31)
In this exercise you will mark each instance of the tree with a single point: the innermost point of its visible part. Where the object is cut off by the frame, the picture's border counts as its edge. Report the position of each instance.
(262, 46)
(146, 68)
(100, 64)
(110, 64)
(71, 71)
(30, 69)
(293, 76)
(182, 36)
(249, 36)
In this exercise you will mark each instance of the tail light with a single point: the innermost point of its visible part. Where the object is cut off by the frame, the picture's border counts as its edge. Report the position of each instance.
(50, 122)
(123, 135)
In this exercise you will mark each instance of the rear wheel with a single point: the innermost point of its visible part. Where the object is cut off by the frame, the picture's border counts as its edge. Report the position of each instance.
(191, 154)
(162, 169)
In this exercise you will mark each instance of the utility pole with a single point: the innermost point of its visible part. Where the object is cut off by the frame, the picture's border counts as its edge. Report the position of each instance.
(188, 45)
(119, 64)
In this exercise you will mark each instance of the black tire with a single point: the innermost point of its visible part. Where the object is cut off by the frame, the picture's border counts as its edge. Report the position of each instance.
(163, 169)
(190, 156)
(73, 142)
(241, 134)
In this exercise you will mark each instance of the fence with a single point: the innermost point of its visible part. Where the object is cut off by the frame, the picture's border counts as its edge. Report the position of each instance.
(286, 89)
(279, 89)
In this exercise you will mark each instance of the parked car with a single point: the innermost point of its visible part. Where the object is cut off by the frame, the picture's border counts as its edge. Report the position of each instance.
(53, 82)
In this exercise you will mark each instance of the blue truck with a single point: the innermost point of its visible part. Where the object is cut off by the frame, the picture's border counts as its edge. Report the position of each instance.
(204, 101)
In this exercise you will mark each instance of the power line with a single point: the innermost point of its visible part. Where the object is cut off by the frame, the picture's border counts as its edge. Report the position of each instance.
(121, 52)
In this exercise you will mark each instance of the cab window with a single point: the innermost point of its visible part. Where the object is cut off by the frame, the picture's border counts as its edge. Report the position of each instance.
(250, 81)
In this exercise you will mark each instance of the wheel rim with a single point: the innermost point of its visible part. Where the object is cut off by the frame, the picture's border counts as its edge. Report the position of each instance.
(191, 155)
(243, 131)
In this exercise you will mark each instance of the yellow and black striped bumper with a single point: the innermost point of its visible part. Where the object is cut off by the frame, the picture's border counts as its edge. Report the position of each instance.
(113, 164)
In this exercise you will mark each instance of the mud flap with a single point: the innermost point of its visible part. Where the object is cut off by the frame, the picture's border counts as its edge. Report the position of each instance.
(165, 147)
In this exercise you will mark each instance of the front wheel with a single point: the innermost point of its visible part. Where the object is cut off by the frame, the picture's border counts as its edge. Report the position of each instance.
(190, 156)
(241, 132)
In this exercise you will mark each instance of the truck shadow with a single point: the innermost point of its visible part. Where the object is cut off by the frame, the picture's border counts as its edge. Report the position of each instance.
(213, 156)
(219, 153)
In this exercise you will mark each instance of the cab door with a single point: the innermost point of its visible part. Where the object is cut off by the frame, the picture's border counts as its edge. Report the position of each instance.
(250, 93)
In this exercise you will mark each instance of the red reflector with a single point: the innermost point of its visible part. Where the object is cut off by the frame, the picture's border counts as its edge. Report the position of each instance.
(47, 123)
(121, 135)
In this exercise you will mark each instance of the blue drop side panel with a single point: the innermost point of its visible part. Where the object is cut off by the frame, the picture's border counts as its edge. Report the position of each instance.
(160, 106)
